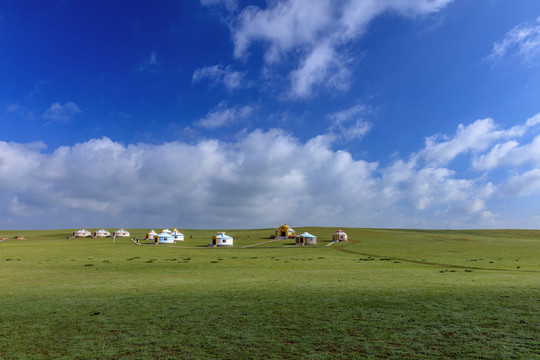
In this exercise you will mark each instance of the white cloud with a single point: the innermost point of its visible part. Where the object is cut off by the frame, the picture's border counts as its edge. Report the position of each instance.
(474, 138)
(224, 115)
(350, 123)
(261, 179)
(218, 74)
(524, 184)
(523, 41)
(315, 34)
(61, 113)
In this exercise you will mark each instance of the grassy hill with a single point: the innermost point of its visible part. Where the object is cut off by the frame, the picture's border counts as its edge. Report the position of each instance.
(386, 294)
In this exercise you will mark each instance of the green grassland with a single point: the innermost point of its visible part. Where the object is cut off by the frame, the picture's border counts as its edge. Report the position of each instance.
(385, 294)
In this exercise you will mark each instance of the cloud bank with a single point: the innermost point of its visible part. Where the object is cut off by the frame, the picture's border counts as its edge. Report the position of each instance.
(265, 178)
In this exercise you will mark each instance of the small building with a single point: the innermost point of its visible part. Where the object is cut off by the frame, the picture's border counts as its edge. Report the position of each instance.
(284, 232)
(121, 233)
(221, 239)
(177, 235)
(166, 231)
(306, 239)
(340, 235)
(82, 233)
(151, 235)
(163, 238)
(101, 233)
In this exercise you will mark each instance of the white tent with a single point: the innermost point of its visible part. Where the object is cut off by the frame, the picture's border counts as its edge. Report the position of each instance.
(151, 234)
(306, 239)
(221, 239)
(164, 238)
(82, 233)
(177, 235)
(166, 231)
(121, 233)
(101, 233)
(340, 235)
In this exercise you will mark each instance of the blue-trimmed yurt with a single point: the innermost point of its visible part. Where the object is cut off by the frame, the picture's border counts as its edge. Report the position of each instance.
(101, 233)
(221, 239)
(82, 233)
(121, 233)
(306, 239)
(151, 235)
(163, 238)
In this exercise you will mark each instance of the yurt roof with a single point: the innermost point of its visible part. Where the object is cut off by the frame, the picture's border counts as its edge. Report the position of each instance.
(222, 235)
(163, 234)
(306, 234)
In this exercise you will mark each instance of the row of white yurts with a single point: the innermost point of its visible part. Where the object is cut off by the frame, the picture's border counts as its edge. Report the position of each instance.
(166, 236)
(101, 233)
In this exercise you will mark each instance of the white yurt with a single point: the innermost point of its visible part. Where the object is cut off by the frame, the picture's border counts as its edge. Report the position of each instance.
(164, 238)
(121, 233)
(101, 233)
(82, 233)
(166, 231)
(177, 235)
(151, 235)
(340, 235)
(306, 239)
(221, 239)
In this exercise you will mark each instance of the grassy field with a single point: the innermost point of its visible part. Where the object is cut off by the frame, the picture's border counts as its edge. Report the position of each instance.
(386, 294)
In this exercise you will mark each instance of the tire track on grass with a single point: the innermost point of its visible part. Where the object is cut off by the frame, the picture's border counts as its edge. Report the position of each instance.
(429, 263)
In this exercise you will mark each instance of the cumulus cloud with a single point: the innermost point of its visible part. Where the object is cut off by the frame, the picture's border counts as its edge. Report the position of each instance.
(315, 35)
(523, 41)
(474, 138)
(224, 115)
(220, 75)
(259, 179)
(524, 184)
(61, 113)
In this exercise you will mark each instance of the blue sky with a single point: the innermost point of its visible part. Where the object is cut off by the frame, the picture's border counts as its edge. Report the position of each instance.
(240, 114)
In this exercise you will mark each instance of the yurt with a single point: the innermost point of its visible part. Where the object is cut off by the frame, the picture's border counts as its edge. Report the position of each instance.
(285, 232)
(151, 235)
(101, 233)
(163, 238)
(166, 231)
(177, 235)
(82, 233)
(121, 233)
(339, 235)
(306, 239)
(221, 239)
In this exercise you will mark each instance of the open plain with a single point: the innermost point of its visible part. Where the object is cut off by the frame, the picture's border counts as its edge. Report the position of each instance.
(385, 294)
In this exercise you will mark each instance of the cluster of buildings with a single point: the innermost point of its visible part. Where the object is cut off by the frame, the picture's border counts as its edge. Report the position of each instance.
(167, 236)
(287, 232)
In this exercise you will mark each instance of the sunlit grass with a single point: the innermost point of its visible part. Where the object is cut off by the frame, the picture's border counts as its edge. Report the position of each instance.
(387, 294)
